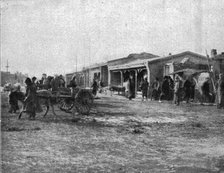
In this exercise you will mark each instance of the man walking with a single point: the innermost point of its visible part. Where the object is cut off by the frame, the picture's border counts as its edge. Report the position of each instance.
(220, 92)
(144, 88)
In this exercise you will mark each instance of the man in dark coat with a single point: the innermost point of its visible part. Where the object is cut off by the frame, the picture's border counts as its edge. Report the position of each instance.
(55, 83)
(220, 92)
(31, 98)
(41, 83)
(164, 89)
(144, 88)
(192, 89)
(62, 82)
(73, 84)
(187, 90)
(131, 87)
(95, 87)
(171, 88)
(206, 90)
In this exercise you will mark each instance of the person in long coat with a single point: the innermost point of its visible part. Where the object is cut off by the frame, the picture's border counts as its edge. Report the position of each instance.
(164, 89)
(73, 85)
(206, 90)
(62, 82)
(55, 83)
(187, 89)
(220, 92)
(171, 88)
(31, 98)
(131, 88)
(95, 87)
(144, 88)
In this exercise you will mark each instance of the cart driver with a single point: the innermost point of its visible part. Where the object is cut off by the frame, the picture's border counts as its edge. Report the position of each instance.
(73, 84)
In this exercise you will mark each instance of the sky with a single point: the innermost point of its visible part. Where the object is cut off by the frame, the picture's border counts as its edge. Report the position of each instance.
(56, 37)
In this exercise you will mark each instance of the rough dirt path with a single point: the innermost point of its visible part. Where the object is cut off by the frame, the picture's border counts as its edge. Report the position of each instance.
(119, 136)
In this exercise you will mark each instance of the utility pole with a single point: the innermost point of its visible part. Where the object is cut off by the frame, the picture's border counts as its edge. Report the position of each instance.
(76, 63)
(7, 67)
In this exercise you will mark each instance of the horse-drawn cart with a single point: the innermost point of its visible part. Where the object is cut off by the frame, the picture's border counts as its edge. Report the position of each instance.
(80, 100)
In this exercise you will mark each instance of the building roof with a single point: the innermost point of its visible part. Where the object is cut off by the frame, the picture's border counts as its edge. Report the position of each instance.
(189, 71)
(133, 64)
(176, 55)
(78, 72)
(131, 57)
(96, 65)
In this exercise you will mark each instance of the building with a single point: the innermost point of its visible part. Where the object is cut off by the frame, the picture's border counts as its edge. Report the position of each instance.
(85, 77)
(134, 64)
(218, 63)
(164, 66)
(116, 72)
(79, 78)
(98, 72)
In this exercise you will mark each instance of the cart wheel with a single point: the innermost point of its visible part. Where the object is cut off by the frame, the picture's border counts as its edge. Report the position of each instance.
(83, 101)
(65, 105)
(83, 109)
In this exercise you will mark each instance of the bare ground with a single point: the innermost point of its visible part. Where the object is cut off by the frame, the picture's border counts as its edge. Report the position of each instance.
(118, 136)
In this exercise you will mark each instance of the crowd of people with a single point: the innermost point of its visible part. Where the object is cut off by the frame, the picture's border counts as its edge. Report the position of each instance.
(169, 89)
(31, 104)
(54, 84)
(179, 90)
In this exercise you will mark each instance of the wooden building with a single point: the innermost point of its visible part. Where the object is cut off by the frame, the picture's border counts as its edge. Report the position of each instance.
(79, 78)
(98, 72)
(135, 65)
(163, 66)
(218, 64)
(116, 72)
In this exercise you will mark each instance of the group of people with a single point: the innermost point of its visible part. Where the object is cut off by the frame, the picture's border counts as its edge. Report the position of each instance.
(31, 104)
(49, 82)
(179, 89)
(169, 89)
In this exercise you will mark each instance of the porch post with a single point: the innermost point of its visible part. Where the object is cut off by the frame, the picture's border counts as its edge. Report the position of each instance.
(122, 79)
(148, 72)
(84, 79)
(109, 77)
(136, 81)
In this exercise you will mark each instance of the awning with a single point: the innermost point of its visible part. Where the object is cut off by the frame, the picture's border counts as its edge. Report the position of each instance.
(188, 71)
(134, 64)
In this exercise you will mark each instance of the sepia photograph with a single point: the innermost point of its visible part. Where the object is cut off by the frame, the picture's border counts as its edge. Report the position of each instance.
(112, 86)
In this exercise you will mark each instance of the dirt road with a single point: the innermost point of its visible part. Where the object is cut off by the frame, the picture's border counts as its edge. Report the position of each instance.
(118, 136)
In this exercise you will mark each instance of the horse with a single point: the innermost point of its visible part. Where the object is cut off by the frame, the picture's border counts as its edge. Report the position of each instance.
(14, 96)
(44, 97)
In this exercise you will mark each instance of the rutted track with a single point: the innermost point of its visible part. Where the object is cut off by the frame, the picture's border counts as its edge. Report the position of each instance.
(118, 136)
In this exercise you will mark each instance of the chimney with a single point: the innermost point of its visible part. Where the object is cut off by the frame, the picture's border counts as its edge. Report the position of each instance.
(213, 53)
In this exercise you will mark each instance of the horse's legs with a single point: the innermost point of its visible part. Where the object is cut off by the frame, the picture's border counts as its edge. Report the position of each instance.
(48, 104)
(46, 110)
(20, 114)
(52, 107)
